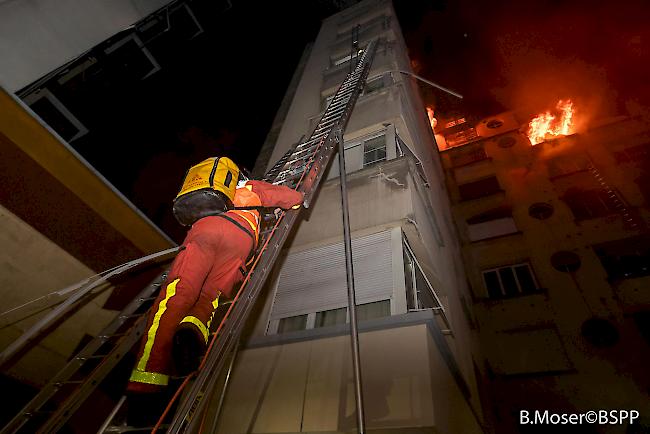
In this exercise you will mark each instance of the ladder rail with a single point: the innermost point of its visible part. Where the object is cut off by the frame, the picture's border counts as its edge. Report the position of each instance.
(237, 315)
(77, 297)
(125, 342)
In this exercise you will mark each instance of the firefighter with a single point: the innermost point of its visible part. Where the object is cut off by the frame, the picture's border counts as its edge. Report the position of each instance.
(222, 207)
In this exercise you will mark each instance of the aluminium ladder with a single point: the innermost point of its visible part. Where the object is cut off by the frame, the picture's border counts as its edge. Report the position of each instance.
(301, 168)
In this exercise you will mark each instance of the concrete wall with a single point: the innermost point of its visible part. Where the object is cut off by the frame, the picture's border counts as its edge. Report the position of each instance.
(33, 266)
(534, 344)
(39, 36)
(409, 193)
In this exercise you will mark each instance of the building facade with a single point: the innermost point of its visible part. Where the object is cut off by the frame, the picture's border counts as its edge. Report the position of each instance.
(61, 223)
(556, 246)
(418, 354)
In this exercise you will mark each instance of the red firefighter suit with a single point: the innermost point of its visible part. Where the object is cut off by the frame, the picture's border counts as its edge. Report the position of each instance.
(211, 265)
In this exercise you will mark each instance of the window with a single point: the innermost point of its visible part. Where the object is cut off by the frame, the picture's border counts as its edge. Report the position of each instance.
(327, 100)
(373, 84)
(312, 289)
(527, 351)
(374, 150)
(419, 292)
(481, 188)
(461, 137)
(568, 164)
(56, 115)
(331, 317)
(341, 60)
(590, 204)
(509, 281)
(468, 156)
(633, 154)
(493, 223)
(376, 309)
(292, 324)
(625, 259)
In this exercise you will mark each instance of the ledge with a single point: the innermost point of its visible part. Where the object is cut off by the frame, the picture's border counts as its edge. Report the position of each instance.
(496, 237)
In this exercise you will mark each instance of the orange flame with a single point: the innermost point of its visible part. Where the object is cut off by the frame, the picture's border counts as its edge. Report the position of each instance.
(433, 121)
(547, 125)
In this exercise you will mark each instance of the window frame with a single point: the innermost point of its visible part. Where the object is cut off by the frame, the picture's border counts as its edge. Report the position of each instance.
(366, 152)
(475, 197)
(33, 98)
(310, 322)
(512, 267)
(592, 203)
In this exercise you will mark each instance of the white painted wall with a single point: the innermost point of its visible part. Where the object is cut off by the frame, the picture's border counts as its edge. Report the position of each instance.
(37, 36)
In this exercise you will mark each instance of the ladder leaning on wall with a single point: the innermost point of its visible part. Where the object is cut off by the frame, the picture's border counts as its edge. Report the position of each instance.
(301, 168)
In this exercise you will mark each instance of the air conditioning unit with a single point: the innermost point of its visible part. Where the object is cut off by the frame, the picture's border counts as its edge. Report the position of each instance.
(495, 125)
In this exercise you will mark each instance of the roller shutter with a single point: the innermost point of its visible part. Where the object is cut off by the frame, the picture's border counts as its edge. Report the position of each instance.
(314, 280)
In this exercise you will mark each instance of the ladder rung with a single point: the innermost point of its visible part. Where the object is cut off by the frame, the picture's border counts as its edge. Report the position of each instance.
(61, 383)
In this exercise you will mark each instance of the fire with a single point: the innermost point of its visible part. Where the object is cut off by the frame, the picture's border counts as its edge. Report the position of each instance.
(433, 121)
(547, 125)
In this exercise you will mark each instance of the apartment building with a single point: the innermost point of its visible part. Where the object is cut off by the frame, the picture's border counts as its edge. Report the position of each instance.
(418, 355)
(556, 247)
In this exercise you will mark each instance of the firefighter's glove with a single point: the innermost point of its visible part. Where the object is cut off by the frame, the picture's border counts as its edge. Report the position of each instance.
(278, 212)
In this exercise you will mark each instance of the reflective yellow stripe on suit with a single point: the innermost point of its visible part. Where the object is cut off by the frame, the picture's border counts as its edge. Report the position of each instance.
(151, 334)
(204, 329)
(197, 322)
(149, 378)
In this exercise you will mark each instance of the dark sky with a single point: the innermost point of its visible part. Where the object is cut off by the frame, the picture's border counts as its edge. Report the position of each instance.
(218, 93)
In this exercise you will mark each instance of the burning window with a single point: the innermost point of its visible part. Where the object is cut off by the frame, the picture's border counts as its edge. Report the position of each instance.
(550, 125)
(432, 120)
(461, 137)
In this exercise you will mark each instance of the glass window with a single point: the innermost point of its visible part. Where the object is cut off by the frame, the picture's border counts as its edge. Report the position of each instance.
(509, 281)
(292, 324)
(492, 284)
(376, 309)
(464, 157)
(633, 154)
(419, 294)
(373, 85)
(332, 317)
(374, 150)
(589, 204)
(567, 164)
(409, 273)
(327, 100)
(480, 188)
(625, 259)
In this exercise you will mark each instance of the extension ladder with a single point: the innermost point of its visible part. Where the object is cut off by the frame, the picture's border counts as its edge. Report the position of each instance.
(301, 168)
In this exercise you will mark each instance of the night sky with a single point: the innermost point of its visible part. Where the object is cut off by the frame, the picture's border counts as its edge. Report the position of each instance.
(217, 94)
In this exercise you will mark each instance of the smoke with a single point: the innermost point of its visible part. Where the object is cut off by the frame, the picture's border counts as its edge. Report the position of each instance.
(528, 55)
(548, 51)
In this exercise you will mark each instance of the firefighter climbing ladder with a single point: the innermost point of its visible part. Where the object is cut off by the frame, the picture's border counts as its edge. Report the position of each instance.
(300, 168)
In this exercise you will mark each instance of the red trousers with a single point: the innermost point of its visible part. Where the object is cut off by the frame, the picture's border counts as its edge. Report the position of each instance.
(210, 265)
